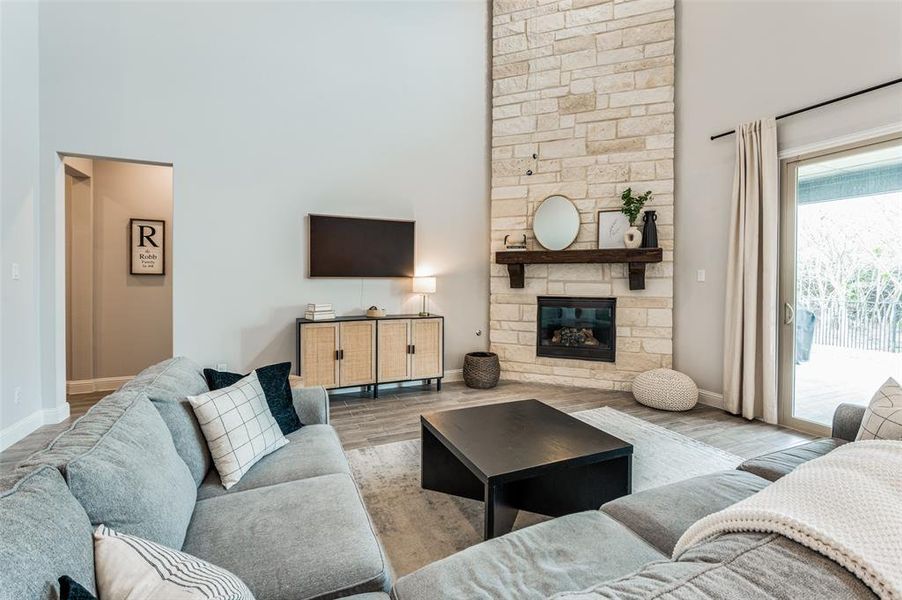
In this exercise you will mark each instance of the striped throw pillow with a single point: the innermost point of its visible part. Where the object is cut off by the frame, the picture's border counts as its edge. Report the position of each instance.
(130, 567)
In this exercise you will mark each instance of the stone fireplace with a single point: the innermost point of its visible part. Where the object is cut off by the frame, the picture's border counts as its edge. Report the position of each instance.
(576, 328)
(582, 106)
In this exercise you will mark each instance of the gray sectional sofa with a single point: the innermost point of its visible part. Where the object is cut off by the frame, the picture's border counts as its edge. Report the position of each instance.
(623, 551)
(295, 526)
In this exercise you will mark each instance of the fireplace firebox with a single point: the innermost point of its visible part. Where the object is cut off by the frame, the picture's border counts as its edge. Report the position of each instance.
(580, 328)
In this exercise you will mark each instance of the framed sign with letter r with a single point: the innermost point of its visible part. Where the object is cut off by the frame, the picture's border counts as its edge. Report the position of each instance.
(147, 238)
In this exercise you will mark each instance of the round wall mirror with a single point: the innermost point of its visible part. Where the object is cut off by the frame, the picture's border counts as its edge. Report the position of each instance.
(556, 223)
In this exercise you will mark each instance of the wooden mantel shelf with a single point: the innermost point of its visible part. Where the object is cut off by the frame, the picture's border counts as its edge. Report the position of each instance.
(636, 258)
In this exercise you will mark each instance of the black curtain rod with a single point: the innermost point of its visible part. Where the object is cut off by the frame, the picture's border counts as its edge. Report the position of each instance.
(824, 103)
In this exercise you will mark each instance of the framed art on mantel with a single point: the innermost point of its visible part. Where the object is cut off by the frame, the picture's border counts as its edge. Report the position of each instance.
(612, 224)
(146, 241)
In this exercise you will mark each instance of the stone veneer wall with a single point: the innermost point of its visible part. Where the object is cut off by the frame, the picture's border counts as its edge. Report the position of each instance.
(587, 85)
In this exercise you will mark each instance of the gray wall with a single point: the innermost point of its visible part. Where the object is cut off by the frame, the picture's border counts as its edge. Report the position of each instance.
(19, 323)
(743, 60)
(268, 112)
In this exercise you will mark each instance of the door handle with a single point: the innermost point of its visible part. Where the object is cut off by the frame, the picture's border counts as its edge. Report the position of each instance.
(789, 313)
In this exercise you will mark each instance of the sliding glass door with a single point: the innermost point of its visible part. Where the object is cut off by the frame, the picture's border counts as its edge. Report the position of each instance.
(841, 280)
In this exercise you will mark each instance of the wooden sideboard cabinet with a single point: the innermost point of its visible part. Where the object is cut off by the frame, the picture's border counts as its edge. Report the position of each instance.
(365, 352)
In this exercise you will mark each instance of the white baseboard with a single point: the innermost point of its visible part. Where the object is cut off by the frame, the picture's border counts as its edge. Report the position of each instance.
(710, 399)
(18, 430)
(453, 375)
(101, 384)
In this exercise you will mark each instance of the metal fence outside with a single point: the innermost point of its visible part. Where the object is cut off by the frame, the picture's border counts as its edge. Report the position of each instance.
(859, 326)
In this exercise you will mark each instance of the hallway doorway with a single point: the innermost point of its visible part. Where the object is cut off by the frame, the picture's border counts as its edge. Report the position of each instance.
(118, 273)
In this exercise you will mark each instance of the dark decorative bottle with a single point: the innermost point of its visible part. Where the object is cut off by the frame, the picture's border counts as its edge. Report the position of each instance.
(650, 230)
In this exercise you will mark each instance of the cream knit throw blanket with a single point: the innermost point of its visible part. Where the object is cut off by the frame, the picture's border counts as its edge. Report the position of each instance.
(846, 505)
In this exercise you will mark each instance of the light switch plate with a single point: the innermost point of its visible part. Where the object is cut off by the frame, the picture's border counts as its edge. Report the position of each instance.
(700, 275)
(14, 272)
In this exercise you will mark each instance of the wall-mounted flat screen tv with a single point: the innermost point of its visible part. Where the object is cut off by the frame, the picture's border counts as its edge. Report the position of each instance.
(355, 247)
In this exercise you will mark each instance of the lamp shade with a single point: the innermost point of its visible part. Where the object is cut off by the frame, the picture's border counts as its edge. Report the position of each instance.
(424, 285)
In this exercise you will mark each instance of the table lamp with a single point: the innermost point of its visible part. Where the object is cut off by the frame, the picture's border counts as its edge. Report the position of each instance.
(424, 286)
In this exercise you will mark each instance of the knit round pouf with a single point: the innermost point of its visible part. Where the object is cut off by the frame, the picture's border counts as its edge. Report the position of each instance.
(665, 389)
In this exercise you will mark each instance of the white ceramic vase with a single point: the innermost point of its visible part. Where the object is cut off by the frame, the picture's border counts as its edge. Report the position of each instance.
(632, 237)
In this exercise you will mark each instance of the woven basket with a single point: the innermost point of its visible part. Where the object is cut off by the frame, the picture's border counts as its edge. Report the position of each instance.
(481, 370)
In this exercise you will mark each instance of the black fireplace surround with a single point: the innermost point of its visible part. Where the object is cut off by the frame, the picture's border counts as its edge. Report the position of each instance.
(580, 328)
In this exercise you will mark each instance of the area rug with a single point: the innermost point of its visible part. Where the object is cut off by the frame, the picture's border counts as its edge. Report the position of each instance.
(418, 527)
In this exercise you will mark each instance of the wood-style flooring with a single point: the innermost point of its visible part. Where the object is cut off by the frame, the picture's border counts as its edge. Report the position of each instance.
(362, 421)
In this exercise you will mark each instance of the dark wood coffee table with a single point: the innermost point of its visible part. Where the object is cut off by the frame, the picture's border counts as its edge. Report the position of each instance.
(522, 455)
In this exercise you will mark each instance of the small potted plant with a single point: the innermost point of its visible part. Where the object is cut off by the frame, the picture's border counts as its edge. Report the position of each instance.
(632, 206)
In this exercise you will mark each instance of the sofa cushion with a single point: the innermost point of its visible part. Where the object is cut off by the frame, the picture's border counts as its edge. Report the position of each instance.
(168, 384)
(737, 565)
(120, 463)
(311, 451)
(567, 553)
(84, 433)
(661, 515)
(300, 539)
(274, 381)
(45, 535)
(775, 465)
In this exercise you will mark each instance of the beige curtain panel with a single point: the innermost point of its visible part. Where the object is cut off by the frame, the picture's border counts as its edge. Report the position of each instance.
(750, 330)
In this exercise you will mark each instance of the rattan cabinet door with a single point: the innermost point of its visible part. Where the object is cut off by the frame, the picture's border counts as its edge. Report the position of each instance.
(394, 343)
(319, 349)
(426, 340)
(357, 353)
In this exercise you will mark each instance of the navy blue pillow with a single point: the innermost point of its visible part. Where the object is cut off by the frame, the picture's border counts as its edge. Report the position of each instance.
(274, 381)
(71, 590)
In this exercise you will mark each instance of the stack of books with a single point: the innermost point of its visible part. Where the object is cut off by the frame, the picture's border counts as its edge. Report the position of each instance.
(319, 312)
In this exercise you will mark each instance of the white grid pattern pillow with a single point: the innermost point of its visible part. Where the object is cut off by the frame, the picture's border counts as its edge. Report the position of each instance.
(239, 427)
(883, 417)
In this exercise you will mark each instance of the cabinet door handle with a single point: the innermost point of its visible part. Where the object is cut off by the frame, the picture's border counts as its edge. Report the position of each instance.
(336, 355)
(341, 354)
(413, 348)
